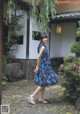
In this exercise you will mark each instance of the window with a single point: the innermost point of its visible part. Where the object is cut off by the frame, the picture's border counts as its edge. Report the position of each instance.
(35, 35)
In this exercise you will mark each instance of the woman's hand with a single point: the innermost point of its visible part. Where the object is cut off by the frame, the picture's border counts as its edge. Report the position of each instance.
(36, 69)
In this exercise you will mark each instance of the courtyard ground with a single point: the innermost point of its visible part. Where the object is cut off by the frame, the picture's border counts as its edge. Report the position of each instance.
(15, 94)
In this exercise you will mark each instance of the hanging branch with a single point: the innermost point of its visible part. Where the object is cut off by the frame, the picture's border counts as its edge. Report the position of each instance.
(13, 17)
(14, 24)
(43, 11)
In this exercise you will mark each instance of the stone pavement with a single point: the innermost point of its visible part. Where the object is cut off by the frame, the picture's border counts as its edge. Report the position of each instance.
(15, 94)
(34, 112)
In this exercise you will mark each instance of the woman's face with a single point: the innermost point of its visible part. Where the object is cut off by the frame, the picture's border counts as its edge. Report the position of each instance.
(45, 40)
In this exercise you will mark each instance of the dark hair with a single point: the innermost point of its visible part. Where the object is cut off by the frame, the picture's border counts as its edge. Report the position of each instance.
(42, 36)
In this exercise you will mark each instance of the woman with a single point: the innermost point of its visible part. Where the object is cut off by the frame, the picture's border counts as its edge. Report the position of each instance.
(44, 75)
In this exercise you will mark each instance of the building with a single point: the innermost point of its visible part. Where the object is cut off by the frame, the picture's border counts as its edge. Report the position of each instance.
(61, 37)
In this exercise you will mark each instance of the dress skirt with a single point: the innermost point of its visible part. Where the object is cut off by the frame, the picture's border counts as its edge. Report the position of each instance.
(45, 76)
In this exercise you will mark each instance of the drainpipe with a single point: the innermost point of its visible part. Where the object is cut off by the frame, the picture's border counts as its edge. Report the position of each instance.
(28, 34)
(1, 43)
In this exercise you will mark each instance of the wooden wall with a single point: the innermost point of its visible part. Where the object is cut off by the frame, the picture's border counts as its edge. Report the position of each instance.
(68, 7)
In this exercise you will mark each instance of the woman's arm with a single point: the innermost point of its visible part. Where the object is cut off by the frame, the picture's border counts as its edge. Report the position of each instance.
(38, 59)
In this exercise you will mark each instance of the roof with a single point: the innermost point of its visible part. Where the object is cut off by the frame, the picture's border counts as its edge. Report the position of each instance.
(67, 16)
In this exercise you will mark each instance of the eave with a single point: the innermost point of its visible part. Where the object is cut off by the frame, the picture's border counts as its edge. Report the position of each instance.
(66, 17)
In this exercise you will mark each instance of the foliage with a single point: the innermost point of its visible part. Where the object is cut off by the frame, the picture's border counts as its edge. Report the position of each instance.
(10, 59)
(6, 60)
(4, 75)
(75, 47)
(14, 25)
(43, 11)
(70, 70)
(78, 31)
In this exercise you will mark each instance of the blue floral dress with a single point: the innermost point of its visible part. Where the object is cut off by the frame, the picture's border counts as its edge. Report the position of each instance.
(45, 75)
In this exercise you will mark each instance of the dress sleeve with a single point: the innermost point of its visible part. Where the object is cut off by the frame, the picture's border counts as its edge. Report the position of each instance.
(43, 47)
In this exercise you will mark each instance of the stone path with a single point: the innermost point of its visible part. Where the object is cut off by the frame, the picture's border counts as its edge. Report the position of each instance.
(35, 112)
(15, 94)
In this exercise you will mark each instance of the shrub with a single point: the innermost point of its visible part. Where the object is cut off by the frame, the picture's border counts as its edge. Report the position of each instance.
(76, 47)
(71, 72)
(4, 75)
(6, 60)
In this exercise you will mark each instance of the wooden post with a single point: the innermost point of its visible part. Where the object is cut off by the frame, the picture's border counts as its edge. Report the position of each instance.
(1, 43)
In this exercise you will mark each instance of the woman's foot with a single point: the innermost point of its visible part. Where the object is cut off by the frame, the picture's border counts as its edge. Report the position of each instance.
(43, 101)
(31, 100)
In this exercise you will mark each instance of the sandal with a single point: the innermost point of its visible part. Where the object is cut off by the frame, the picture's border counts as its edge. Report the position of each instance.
(43, 101)
(31, 100)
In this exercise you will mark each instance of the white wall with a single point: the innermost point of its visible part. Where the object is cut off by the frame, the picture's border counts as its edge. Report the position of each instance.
(68, 37)
(20, 52)
(60, 45)
(55, 43)
(33, 44)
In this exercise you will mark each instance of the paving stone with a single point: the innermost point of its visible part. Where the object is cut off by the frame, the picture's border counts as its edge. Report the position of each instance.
(35, 112)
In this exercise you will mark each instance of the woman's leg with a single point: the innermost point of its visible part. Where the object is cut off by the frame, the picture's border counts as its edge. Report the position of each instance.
(41, 99)
(39, 88)
(31, 98)
(42, 92)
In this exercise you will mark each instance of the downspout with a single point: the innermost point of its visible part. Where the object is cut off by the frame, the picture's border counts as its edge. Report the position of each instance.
(28, 34)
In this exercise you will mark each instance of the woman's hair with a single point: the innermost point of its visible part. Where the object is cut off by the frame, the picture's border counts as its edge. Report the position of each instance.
(41, 36)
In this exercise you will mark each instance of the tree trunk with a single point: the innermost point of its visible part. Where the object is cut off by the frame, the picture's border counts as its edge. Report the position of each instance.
(1, 34)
